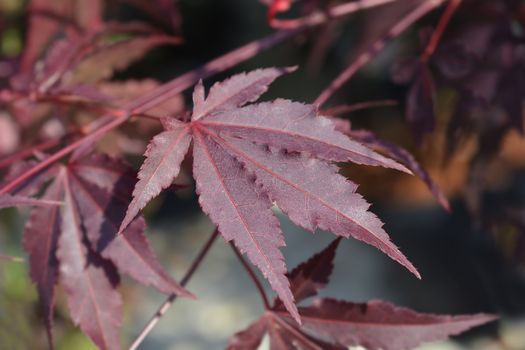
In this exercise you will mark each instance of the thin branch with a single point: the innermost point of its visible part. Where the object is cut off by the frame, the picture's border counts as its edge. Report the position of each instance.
(115, 112)
(244, 53)
(440, 29)
(169, 301)
(378, 46)
(141, 105)
(147, 116)
(61, 153)
(254, 278)
(28, 152)
(343, 109)
(337, 11)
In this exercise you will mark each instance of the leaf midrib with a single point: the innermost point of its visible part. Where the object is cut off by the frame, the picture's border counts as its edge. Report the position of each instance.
(267, 260)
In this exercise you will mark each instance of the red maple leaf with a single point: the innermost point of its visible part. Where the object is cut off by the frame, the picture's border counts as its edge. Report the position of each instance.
(77, 245)
(246, 158)
(336, 325)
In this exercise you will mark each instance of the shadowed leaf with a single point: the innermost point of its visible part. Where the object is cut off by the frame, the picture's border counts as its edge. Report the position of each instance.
(310, 277)
(90, 281)
(330, 324)
(380, 325)
(102, 213)
(107, 59)
(40, 242)
(250, 338)
(404, 157)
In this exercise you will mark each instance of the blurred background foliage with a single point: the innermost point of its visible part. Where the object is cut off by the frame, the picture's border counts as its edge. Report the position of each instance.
(470, 263)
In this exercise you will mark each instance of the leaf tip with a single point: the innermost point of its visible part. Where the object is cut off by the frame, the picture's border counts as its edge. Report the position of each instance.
(289, 69)
(401, 167)
(445, 204)
(410, 267)
(189, 295)
(123, 226)
(297, 318)
(490, 317)
(131, 214)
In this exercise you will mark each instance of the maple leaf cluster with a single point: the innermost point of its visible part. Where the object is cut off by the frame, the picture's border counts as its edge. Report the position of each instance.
(481, 59)
(336, 324)
(70, 56)
(249, 159)
(76, 243)
(480, 62)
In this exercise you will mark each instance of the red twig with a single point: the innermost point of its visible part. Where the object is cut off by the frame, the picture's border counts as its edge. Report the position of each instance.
(440, 29)
(115, 112)
(63, 152)
(108, 122)
(281, 6)
(343, 109)
(378, 46)
(169, 301)
(25, 153)
(254, 278)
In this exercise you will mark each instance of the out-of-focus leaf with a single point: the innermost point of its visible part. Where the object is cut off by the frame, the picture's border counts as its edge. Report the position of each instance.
(40, 242)
(108, 59)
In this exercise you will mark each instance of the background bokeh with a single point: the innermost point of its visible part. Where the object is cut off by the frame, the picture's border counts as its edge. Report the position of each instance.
(466, 268)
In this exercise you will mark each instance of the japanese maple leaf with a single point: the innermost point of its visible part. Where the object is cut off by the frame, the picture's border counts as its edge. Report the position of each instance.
(47, 19)
(73, 65)
(247, 157)
(336, 325)
(77, 245)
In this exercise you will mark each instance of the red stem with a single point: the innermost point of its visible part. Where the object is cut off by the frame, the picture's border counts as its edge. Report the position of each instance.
(108, 122)
(169, 301)
(343, 109)
(253, 276)
(45, 145)
(336, 11)
(23, 154)
(378, 46)
(63, 152)
(440, 29)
